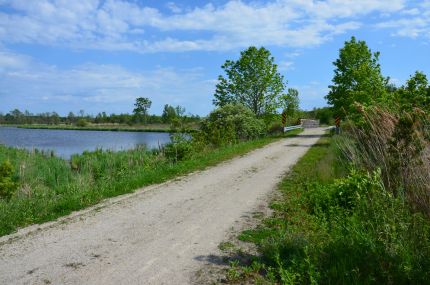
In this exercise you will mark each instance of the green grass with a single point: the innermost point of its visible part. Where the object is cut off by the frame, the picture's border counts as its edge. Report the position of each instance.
(334, 226)
(50, 187)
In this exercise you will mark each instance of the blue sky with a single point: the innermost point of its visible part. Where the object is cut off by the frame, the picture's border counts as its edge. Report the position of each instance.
(60, 55)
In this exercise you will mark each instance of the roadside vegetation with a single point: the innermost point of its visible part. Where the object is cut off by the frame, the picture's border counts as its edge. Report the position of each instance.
(355, 209)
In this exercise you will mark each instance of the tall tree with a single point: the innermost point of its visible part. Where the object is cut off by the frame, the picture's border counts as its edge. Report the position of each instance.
(253, 81)
(357, 78)
(290, 102)
(142, 106)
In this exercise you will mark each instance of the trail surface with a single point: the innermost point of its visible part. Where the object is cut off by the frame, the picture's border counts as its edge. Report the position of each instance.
(158, 235)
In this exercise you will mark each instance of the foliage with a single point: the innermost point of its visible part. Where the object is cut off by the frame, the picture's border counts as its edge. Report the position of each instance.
(7, 185)
(142, 106)
(169, 113)
(346, 230)
(253, 81)
(416, 93)
(357, 78)
(81, 123)
(290, 102)
(230, 124)
(180, 148)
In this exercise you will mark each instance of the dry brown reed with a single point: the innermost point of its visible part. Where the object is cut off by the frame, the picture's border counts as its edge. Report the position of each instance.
(398, 144)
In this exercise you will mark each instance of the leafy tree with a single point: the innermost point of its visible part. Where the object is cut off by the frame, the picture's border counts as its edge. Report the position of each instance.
(290, 102)
(70, 118)
(169, 113)
(416, 92)
(142, 106)
(357, 78)
(180, 111)
(55, 118)
(253, 81)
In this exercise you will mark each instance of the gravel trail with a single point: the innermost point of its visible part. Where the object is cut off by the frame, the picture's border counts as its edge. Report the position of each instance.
(160, 234)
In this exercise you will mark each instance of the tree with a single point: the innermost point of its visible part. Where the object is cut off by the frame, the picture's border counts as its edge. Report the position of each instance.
(253, 81)
(357, 78)
(290, 102)
(142, 106)
(169, 113)
(180, 111)
(416, 92)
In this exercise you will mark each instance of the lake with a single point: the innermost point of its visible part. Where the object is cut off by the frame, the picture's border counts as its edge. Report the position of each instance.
(64, 143)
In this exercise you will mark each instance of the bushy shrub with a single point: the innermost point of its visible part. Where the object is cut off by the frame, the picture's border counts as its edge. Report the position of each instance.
(7, 185)
(81, 123)
(180, 148)
(230, 124)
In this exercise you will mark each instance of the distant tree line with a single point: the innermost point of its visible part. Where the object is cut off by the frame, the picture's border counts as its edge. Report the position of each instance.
(169, 116)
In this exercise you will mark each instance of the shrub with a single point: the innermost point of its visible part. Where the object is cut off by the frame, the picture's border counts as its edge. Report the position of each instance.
(82, 123)
(230, 124)
(7, 185)
(179, 148)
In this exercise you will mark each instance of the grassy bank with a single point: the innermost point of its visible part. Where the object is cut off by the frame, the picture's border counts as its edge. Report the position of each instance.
(163, 128)
(50, 187)
(334, 226)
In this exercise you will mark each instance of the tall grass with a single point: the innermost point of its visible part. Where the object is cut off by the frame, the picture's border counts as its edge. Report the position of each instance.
(397, 143)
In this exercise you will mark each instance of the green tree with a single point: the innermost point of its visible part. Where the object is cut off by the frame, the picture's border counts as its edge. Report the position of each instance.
(416, 92)
(290, 102)
(142, 106)
(253, 81)
(71, 118)
(357, 78)
(169, 113)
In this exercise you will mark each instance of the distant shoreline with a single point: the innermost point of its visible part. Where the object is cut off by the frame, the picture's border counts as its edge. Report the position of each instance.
(159, 129)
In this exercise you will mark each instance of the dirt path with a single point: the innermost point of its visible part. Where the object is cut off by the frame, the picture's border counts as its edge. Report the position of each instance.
(159, 235)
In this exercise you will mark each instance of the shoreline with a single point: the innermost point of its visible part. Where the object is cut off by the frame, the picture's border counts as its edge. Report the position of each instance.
(98, 128)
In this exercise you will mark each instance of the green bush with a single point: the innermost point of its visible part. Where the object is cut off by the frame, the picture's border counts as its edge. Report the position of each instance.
(230, 124)
(179, 148)
(81, 123)
(7, 185)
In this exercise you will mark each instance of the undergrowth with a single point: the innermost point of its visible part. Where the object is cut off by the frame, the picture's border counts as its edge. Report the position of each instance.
(335, 225)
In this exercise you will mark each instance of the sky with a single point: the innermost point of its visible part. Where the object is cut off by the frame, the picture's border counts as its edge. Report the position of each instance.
(100, 55)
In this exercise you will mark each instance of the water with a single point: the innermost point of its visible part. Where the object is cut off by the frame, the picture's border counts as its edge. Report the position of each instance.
(64, 143)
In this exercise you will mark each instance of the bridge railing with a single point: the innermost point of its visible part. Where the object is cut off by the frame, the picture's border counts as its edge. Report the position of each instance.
(286, 129)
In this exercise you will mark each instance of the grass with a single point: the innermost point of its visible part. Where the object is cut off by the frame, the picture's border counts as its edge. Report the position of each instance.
(335, 226)
(163, 128)
(50, 187)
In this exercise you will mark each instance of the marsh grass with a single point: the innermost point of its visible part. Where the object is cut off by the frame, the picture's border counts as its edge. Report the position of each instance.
(50, 187)
(397, 143)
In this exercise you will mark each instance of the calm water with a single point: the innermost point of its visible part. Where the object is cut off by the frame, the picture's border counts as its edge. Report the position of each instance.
(64, 143)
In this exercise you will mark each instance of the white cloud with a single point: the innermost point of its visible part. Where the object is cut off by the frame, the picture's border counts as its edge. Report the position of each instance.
(413, 23)
(286, 65)
(123, 25)
(107, 87)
